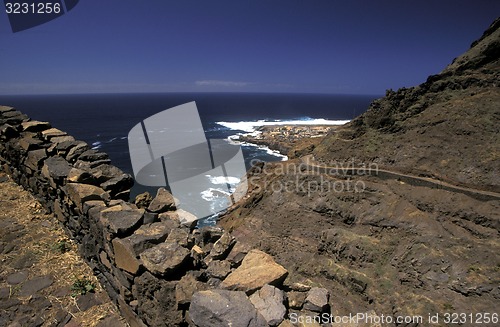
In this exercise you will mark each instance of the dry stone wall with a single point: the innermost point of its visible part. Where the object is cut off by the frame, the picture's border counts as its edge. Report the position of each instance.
(158, 271)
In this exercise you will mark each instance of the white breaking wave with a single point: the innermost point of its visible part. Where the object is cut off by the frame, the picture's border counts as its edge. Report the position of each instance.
(213, 193)
(96, 145)
(218, 180)
(251, 126)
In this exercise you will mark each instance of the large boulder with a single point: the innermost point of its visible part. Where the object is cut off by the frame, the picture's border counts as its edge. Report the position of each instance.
(269, 303)
(220, 308)
(257, 269)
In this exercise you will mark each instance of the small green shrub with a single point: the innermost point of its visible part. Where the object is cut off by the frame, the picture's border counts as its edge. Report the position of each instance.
(61, 246)
(82, 286)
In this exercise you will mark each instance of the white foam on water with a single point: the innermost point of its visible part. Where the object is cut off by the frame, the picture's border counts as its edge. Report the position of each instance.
(213, 194)
(218, 180)
(251, 126)
(96, 145)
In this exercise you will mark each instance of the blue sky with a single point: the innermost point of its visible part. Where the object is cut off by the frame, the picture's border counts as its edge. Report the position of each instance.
(318, 46)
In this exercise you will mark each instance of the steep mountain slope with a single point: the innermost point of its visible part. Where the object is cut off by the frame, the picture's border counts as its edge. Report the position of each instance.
(447, 127)
(382, 244)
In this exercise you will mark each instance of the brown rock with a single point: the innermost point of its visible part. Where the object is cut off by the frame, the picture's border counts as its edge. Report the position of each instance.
(269, 303)
(35, 126)
(317, 299)
(218, 269)
(60, 139)
(238, 252)
(125, 256)
(296, 299)
(143, 200)
(36, 284)
(182, 216)
(80, 193)
(56, 169)
(285, 323)
(29, 143)
(52, 132)
(181, 237)
(4, 109)
(164, 258)
(256, 270)
(215, 308)
(76, 151)
(76, 175)
(122, 221)
(128, 249)
(187, 286)
(34, 159)
(222, 247)
(163, 201)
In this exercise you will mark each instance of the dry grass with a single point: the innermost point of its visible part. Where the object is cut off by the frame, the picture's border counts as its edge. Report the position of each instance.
(54, 254)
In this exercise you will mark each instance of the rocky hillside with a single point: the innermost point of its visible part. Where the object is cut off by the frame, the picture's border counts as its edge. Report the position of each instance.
(447, 127)
(382, 244)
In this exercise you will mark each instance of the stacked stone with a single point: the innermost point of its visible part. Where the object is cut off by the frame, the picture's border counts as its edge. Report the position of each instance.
(150, 258)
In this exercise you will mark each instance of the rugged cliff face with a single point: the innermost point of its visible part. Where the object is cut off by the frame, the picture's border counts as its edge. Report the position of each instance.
(447, 127)
(380, 243)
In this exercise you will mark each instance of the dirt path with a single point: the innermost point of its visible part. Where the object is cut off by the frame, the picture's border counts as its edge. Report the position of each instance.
(42, 278)
(409, 179)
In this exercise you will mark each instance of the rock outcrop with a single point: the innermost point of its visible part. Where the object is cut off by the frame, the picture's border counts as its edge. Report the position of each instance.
(368, 242)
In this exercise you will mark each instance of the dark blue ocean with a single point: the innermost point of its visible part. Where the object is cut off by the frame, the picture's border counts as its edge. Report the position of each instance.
(104, 120)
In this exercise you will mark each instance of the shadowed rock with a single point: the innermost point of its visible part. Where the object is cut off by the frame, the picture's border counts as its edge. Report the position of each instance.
(122, 221)
(162, 202)
(55, 169)
(217, 308)
(76, 175)
(269, 303)
(34, 159)
(164, 258)
(187, 286)
(317, 299)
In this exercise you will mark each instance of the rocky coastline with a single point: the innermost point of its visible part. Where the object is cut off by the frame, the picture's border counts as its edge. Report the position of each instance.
(292, 141)
(302, 248)
(157, 270)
